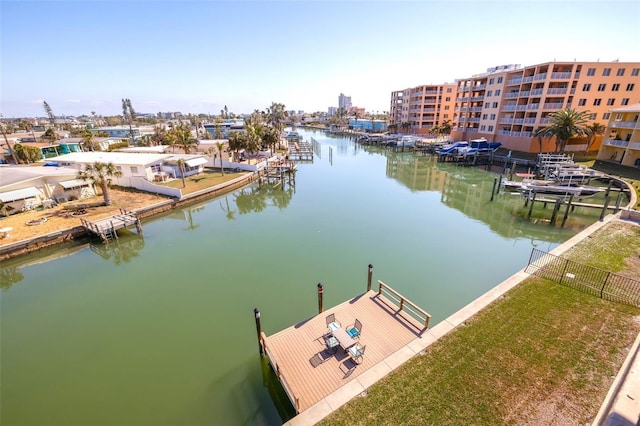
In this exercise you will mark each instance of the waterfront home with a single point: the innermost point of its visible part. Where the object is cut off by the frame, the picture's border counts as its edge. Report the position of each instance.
(27, 187)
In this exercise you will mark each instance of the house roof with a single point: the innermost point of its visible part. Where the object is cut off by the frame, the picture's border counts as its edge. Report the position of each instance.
(118, 158)
(11, 175)
(19, 194)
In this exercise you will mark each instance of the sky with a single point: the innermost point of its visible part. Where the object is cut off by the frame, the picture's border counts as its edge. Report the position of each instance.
(198, 56)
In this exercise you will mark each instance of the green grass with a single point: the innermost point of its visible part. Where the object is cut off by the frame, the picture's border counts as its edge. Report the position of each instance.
(541, 354)
(207, 179)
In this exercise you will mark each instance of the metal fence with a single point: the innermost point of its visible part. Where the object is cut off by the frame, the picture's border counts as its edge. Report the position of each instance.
(598, 282)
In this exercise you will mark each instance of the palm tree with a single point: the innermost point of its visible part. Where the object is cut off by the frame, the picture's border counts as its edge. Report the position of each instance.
(28, 128)
(565, 124)
(159, 134)
(405, 125)
(220, 146)
(276, 116)
(237, 141)
(128, 114)
(445, 127)
(594, 130)
(4, 128)
(183, 137)
(180, 164)
(87, 140)
(100, 174)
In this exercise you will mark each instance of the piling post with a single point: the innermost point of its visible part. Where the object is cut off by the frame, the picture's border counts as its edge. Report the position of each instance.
(618, 202)
(320, 291)
(369, 275)
(256, 314)
(495, 182)
(566, 212)
(533, 201)
(606, 201)
(556, 207)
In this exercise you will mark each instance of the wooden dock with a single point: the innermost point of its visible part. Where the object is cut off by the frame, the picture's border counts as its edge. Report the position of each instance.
(107, 228)
(309, 372)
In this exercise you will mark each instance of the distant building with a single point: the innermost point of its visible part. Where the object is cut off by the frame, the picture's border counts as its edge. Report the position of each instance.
(356, 111)
(344, 102)
(621, 140)
(418, 109)
(122, 132)
(374, 126)
(226, 126)
(332, 111)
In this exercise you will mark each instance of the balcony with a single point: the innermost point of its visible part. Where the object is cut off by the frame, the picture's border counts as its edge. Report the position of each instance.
(561, 75)
(511, 95)
(619, 143)
(524, 94)
(479, 87)
(473, 120)
(536, 92)
(634, 145)
(553, 105)
(504, 132)
(415, 110)
(505, 121)
(529, 121)
(624, 124)
(539, 77)
(465, 99)
(514, 81)
(509, 107)
(475, 109)
(545, 120)
(477, 99)
(527, 79)
(431, 92)
(518, 121)
(557, 91)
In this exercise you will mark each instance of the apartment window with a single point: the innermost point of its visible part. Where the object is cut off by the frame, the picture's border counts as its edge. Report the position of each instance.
(582, 102)
(490, 128)
(447, 99)
(484, 116)
(489, 92)
(591, 72)
(491, 81)
(482, 127)
(606, 72)
(620, 72)
(611, 101)
(495, 105)
(493, 116)
(601, 87)
(446, 107)
(448, 89)
(635, 72)
(593, 116)
(618, 117)
(615, 87)
(134, 170)
(625, 101)
(446, 116)
(486, 104)
(597, 101)
(606, 115)
(586, 87)
(629, 87)
(498, 92)
(499, 80)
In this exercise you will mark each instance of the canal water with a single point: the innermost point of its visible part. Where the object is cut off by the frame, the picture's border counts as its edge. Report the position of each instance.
(160, 330)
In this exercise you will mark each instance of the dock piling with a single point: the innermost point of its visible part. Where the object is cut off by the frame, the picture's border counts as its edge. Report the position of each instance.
(320, 291)
(256, 314)
(369, 275)
(495, 182)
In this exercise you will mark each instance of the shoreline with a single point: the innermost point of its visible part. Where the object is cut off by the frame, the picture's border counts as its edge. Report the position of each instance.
(30, 245)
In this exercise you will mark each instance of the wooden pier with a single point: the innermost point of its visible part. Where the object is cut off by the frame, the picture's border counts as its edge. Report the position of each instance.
(300, 151)
(309, 372)
(107, 228)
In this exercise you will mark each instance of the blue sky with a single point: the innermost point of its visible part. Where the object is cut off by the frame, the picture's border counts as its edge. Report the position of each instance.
(83, 56)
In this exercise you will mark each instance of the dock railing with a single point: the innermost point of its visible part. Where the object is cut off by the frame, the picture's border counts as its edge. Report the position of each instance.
(405, 304)
(281, 377)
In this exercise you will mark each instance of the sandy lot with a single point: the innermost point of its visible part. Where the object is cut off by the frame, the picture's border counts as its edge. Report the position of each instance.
(60, 217)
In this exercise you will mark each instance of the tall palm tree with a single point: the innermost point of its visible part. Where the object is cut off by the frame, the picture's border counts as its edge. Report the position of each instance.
(594, 130)
(159, 134)
(566, 124)
(100, 174)
(276, 116)
(128, 114)
(220, 146)
(445, 127)
(183, 137)
(180, 164)
(539, 134)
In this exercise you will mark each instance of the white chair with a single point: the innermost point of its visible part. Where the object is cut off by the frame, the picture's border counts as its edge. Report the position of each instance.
(332, 324)
(356, 352)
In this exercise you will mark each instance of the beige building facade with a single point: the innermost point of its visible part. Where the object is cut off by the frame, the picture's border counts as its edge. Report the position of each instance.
(621, 139)
(508, 103)
(418, 109)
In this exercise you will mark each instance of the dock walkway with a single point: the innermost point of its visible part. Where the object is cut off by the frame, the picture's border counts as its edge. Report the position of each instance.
(309, 372)
(106, 228)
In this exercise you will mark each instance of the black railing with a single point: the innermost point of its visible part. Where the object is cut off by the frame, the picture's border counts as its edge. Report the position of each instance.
(588, 279)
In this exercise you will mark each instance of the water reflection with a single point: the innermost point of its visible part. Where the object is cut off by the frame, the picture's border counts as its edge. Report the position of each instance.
(126, 248)
(257, 198)
(9, 276)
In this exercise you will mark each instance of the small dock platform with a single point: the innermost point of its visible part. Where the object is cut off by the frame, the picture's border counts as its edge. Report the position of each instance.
(300, 151)
(311, 373)
(107, 228)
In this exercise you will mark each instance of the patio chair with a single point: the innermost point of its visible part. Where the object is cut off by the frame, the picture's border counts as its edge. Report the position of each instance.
(332, 324)
(355, 330)
(356, 352)
(331, 343)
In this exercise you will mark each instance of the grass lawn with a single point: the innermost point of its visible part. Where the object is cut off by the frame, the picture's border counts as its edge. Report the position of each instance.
(206, 179)
(543, 354)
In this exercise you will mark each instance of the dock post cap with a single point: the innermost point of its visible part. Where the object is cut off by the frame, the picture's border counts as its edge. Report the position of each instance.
(370, 266)
(320, 289)
(256, 312)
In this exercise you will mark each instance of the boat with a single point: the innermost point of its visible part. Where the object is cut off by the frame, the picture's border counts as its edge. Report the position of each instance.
(293, 136)
(452, 148)
(550, 187)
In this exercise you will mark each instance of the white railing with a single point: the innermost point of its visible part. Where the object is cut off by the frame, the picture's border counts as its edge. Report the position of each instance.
(536, 92)
(624, 124)
(561, 75)
(616, 142)
(554, 105)
(557, 91)
(542, 76)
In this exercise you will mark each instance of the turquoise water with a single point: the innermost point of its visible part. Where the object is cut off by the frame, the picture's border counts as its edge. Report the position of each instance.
(160, 329)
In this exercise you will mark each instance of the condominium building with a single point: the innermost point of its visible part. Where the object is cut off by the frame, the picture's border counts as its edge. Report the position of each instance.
(621, 140)
(419, 109)
(344, 102)
(508, 103)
